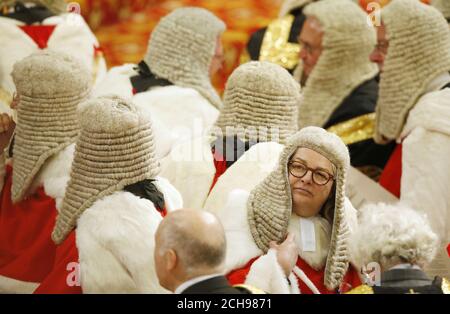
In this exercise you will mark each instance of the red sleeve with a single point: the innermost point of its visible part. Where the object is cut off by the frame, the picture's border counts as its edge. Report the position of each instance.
(65, 275)
(351, 280)
(221, 166)
(27, 251)
(237, 276)
(391, 176)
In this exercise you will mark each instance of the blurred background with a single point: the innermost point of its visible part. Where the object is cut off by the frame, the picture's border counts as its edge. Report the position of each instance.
(123, 26)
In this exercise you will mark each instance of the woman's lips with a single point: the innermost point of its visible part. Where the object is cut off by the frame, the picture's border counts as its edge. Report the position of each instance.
(303, 191)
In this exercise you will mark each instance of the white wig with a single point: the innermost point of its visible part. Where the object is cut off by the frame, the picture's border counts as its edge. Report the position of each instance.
(393, 234)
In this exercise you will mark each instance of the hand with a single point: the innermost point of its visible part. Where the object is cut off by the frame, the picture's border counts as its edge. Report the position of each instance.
(287, 253)
(7, 127)
(15, 101)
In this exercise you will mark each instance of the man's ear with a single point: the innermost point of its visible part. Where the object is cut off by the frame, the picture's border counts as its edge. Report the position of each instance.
(171, 260)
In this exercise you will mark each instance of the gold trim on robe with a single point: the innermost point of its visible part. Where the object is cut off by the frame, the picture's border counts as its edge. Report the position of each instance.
(363, 289)
(251, 289)
(445, 286)
(275, 46)
(355, 130)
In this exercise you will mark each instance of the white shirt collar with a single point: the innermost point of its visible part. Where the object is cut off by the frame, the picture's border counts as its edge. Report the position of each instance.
(439, 82)
(194, 281)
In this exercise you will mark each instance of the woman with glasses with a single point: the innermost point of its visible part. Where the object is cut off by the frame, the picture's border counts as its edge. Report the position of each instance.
(289, 235)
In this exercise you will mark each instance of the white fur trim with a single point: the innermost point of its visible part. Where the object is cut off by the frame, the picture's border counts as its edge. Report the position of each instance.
(181, 110)
(190, 168)
(431, 113)
(164, 139)
(71, 35)
(115, 240)
(172, 197)
(362, 190)
(244, 174)
(15, 46)
(8, 285)
(351, 215)
(301, 274)
(240, 244)
(117, 82)
(178, 113)
(425, 178)
(266, 274)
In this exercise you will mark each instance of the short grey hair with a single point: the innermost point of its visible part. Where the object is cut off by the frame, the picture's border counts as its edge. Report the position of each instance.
(393, 234)
(194, 252)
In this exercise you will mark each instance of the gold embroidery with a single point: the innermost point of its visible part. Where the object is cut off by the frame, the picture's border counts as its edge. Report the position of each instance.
(355, 130)
(251, 289)
(275, 46)
(363, 289)
(445, 286)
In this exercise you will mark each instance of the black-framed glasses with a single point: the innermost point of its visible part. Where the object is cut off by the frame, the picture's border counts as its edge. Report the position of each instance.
(319, 176)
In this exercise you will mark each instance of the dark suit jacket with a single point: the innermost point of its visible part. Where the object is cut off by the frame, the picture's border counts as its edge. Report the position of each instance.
(401, 281)
(215, 285)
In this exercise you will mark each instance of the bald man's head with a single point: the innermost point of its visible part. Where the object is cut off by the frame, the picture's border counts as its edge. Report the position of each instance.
(196, 237)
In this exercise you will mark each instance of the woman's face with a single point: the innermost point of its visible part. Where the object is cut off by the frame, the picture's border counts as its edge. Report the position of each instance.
(308, 197)
(218, 58)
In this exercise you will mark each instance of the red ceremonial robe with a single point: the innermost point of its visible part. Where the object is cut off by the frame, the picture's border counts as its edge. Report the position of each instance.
(65, 275)
(26, 250)
(351, 279)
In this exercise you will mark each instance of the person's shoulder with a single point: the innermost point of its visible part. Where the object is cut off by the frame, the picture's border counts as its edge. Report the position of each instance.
(367, 92)
(177, 98)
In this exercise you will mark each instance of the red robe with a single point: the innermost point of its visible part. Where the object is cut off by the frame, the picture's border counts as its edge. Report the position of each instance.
(27, 251)
(221, 166)
(351, 279)
(65, 275)
(59, 280)
(39, 33)
(391, 176)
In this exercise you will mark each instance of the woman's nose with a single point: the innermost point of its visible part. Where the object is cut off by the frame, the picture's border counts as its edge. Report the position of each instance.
(307, 178)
